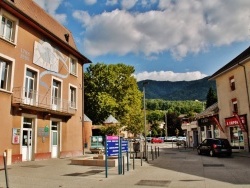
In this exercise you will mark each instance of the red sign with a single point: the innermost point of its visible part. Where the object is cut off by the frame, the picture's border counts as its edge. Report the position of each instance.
(233, 121)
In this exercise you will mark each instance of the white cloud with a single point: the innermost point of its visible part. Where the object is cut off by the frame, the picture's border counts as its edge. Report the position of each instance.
(111, 2)
(128, 4)
(180, 27)
(90, 2)
(51, 7)
(83, 16)
(169, 76)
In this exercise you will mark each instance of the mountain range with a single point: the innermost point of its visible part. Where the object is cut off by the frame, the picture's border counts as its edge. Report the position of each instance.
(178, 90)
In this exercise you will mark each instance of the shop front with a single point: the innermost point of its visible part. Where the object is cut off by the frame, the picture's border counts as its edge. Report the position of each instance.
(236, 128)
(209, 128)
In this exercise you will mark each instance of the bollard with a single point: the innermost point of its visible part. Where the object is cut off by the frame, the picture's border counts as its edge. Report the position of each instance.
(152, 153)
(155, 153)
(123, 165)
(127, 162)
(147, 153)
(158, 152)
(133, 161)
(5, 169)
(141, 160)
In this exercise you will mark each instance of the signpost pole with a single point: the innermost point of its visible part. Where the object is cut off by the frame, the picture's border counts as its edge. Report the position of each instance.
(106, 156)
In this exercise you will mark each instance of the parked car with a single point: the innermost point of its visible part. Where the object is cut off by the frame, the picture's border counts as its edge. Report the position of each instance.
(157, 140)
(181, 138)
(148, 139)
(215, 146)
(170, 139)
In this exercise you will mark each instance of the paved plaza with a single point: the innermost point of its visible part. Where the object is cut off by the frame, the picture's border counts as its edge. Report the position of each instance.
(173, 168)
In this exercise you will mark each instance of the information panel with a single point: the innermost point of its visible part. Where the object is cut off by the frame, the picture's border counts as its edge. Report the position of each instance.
(112, 145)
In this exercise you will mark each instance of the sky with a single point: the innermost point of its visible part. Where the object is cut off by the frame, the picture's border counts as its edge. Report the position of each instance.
(164, 40)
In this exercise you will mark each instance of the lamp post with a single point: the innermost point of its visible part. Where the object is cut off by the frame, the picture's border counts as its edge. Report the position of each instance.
(145, 119)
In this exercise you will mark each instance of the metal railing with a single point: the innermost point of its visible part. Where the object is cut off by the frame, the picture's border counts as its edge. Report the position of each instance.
(33, 98)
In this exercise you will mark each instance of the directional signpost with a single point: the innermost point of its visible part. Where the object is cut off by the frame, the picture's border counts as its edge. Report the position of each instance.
(115, 146)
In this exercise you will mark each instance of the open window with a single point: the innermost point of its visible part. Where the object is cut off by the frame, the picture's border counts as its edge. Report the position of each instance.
(8, 27)
(6, 67)
(232, 83)
(73, 99)
(73, 66)
(235, 105)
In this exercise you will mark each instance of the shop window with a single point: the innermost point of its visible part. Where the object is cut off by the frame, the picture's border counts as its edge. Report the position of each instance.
(235, 105)
(8, 27)
(232, 83)
(5, 74)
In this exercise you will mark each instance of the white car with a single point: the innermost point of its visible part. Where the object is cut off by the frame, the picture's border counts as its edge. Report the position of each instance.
(181, 138)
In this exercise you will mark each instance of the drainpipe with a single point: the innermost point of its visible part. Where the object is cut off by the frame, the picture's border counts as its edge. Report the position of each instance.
(248, 100)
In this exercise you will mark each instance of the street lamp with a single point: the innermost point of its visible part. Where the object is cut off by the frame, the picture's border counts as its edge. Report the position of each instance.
(145, 119)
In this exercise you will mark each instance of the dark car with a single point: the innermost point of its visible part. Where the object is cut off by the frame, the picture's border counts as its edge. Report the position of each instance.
(215, 146)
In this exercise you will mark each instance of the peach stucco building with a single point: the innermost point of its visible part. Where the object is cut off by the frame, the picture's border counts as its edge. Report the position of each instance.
(233, 89)
(41, 88)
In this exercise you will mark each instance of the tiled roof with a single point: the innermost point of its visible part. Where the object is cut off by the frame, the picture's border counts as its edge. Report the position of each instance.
(210, 111)
(110, 120)
(241, 57)
(36, 14)
(86, 118)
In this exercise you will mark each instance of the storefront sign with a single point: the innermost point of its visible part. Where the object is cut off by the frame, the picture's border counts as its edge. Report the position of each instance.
(205, 122)
(232, 121)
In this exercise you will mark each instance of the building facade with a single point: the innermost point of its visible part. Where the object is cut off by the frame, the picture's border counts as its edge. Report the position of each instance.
(232, 82)
(41, 88)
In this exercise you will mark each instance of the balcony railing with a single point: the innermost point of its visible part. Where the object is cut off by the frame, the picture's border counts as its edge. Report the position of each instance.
(31, 98)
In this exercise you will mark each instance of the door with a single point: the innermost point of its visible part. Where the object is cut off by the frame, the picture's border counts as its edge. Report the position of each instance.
(27, 145)
(27, 139)
(54, 139)
(29, 92)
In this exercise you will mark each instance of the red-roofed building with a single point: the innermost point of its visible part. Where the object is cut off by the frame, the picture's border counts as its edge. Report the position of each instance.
(41, 88)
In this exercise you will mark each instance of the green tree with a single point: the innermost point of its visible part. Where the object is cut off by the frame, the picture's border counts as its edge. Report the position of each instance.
(112, 90)
(211, 97)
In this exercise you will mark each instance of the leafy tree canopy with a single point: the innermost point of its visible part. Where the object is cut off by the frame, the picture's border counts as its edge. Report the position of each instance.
(112, 90)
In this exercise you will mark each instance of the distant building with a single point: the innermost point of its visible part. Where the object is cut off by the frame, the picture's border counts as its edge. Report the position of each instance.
(233, 82)
(190, 130)
(41, 87)
(208, 123)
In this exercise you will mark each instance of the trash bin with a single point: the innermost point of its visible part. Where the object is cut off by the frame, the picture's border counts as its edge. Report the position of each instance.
(136, 146)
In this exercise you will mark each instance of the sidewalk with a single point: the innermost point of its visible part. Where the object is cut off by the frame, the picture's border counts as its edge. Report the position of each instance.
(165, 171)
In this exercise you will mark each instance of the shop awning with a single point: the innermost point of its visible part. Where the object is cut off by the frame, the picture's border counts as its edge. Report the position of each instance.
(218, 124)
(242, 127)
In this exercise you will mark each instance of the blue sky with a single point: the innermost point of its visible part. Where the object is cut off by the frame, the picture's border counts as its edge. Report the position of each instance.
(163, 39)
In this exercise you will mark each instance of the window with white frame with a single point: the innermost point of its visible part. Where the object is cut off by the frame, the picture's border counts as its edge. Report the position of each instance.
(73, 66)
(8, 27)
(72, 96)
(5, 74)
(56, 94)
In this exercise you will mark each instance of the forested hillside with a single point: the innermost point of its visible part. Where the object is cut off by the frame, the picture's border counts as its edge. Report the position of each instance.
(180, 90)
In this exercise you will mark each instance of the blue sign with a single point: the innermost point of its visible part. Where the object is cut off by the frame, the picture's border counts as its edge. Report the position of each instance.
(124, 146)
(112, 146)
